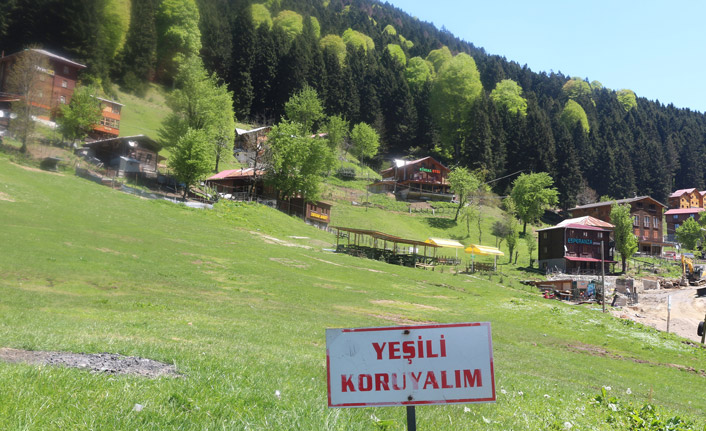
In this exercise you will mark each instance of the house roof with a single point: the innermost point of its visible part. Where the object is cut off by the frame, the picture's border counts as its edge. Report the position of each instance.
(586, 221)
(53, 56)
(398, 163)
(618, 201)
(680, 192)
(109, 101)
(235, 173)
(241, 132)
(144, 141)
(684, 211)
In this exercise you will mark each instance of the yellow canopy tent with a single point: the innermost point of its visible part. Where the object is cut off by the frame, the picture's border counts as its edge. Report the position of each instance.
(484, 250)
(447, 243)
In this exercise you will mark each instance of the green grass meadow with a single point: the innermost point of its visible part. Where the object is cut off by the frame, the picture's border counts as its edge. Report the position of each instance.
(241, 308)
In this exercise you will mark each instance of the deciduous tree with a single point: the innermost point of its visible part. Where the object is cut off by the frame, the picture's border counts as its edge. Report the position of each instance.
(365, 141)
(689, 234)
(625, 240)
(532, 194)
(296, 161)
(77, 119)
(463, 183)
(27, 80)
(305, 108)
(191, 158)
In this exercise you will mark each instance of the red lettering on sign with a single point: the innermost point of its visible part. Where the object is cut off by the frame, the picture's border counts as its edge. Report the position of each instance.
(408, 350)
(394, 382)
(415, 379)
(346, 384)
(394, 350)
(381, 382)
(365, 382)
(471, 379)
(444, 383)
(431, 380)
(379, 349)
(430, 352)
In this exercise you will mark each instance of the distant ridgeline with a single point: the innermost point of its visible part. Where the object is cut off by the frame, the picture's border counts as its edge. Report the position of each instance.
(373, 63)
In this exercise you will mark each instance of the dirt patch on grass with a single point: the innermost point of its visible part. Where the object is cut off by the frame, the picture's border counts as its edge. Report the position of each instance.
(398, 319)
(31, 169)
(404, 304)
(289, 262)
(272, 240)
(5, 197)
(108, 363)
(599, 351)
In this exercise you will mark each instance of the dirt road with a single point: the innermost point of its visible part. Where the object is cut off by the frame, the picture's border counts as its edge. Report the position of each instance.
(686, 313)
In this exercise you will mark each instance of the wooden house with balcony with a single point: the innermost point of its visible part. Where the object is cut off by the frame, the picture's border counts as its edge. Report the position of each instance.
(647, 220)
(574, 246)
(109, 124)
(422, 179)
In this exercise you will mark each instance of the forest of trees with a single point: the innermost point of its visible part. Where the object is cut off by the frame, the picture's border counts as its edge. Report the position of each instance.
(423, 90)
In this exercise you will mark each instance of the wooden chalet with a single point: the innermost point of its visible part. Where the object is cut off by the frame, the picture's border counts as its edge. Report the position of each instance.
(315, 213)
(126, 155)
(574, 246)
(422, 179)
(647, 220)
(686, 198)
(57, 82)
(676, 217)
(240, 184)
(109, 124)
(250, 145)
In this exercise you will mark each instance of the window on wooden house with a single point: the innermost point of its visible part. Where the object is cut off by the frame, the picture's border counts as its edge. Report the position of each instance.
(64, 83)
(647, 221)
(66, 69)
(656, 222)
(636, 220)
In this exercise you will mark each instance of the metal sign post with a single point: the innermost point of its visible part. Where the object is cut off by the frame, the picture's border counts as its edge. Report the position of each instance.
(410, 365)
(669, 310)
(411, 419)
(602, 276)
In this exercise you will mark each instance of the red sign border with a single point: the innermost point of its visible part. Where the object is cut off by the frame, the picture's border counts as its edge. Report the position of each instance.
(415, 403)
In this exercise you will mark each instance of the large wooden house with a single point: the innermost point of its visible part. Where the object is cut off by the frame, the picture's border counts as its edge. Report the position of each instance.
(647, 220)
(422, 179)
(128, 156)
(109, 124)
(574, 246)
(686, 198)
(57, 82)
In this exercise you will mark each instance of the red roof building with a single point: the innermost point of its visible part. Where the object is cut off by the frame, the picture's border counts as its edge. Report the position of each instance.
(686, 198)
(676, 217)
(574, 246)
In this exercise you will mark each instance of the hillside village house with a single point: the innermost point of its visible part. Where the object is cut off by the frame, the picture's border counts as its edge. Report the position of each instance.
(128, 156)
(249, 145)
(686, 198)
(58, 81)
(423, 179)
(109, 124)
(676, 217)
(647, 220)
(574, 246)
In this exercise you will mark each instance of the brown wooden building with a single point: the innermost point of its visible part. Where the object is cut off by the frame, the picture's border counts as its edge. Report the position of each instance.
(57, 82)
(574, 246)
(109, 125)
(240, 184)
(315, 213)
(647, 220)
(676, 217)
(423, 179)
(127, 155)
(686, 198)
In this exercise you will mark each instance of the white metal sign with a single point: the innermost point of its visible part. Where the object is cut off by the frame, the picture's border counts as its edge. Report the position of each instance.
(410, 365)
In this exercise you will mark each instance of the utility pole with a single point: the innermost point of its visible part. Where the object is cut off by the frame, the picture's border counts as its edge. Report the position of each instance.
(603, 275)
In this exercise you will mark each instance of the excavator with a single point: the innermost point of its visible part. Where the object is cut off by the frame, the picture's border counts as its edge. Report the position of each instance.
(690, 273)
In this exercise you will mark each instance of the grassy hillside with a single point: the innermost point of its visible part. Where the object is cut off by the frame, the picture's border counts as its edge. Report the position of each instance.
(143, 116)
(241, 307)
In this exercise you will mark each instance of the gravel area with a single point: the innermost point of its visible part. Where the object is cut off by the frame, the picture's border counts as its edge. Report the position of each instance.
(108, 363)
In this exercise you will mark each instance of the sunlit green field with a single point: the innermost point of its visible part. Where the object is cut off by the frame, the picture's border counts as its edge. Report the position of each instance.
(241, 308)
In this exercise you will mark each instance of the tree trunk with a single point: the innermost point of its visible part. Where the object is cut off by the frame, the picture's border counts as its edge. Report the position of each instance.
(524, 229)
(623, 258)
